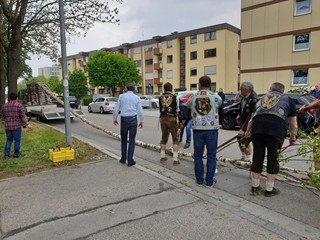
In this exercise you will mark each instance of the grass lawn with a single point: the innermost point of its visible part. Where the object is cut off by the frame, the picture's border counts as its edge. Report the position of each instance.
(35, 144)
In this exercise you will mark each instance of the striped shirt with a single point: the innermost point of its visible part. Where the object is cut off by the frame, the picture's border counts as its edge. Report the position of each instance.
(13, 115)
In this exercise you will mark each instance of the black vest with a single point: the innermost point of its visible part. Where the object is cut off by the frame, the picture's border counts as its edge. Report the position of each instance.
(168, 105)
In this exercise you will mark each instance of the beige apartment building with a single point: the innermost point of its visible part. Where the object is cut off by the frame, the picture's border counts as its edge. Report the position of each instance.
(180, 58)
(280, 42)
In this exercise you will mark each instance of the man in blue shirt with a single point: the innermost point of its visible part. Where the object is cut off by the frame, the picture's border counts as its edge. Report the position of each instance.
(130, 106)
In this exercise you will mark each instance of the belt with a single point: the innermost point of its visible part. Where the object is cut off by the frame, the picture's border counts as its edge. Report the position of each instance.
(135, 116)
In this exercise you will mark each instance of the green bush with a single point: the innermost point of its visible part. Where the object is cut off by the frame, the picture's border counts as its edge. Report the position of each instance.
(87, 100)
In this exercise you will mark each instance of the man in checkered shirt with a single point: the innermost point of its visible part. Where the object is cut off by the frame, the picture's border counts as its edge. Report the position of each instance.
(13, 115)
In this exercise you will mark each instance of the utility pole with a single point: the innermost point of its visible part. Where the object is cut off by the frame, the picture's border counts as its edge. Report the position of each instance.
(65, 81)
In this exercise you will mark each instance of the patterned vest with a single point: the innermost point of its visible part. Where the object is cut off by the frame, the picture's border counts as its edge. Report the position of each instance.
(168, 105)
(204, 110)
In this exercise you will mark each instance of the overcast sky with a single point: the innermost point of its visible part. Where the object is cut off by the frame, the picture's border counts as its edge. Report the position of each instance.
(141, 20)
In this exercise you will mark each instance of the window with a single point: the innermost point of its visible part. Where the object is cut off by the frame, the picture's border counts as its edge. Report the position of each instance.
(159, 59)
(193, 87)
(149, 62)
(159, 45)
(301, 42)
(138, 63)
(149, 76)
(193, 39)
(148, 48)
(210, 52)
(213, 87)
(129, 52)
(210, 70)
(300, 77)
(169, 59)
(169, 74)
(193, 55)
(193, 72)
(136, 50)
(159, 74)
(302, 7)
(169, 44)
(210, 36)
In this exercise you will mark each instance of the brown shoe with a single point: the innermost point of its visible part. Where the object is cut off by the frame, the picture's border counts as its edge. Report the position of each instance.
(176, 163)
(162, 160)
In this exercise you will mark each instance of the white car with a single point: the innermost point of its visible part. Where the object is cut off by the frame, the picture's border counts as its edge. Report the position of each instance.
(103, 105)
(149, 102)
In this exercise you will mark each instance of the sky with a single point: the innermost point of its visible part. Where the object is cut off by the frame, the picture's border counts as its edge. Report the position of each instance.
(142, 20)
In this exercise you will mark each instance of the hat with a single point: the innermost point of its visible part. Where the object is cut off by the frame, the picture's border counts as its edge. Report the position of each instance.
(130, 87)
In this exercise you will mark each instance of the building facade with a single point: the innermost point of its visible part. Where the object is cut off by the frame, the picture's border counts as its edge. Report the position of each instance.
(180, 58)
(49, 71)
(280, 42)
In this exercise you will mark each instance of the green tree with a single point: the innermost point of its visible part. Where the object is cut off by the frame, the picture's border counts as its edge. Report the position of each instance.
(55, 85)
(35, 27)
(78, 84)
(110, 70)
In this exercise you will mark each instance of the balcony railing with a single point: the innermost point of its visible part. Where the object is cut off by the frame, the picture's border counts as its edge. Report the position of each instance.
(157, 66)
(157, 81)
(157, 51)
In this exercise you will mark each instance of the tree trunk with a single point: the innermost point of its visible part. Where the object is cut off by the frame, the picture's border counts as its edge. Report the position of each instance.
(13, 59)
(3, 79)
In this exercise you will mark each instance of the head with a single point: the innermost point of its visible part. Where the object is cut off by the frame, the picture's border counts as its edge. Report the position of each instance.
(130, 87)
(204, 82)
(246, 88)
(167, 87)
(317, 87)
(277, 87)
(220, 90)
(13, 96)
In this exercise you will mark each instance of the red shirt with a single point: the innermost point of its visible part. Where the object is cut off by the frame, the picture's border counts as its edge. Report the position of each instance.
(13, 115)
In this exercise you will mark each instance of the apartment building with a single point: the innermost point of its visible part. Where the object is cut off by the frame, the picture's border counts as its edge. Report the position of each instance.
(280, 42)
(180, 58)
(49, 71)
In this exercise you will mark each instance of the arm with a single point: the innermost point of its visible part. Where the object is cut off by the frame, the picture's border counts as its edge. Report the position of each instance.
(116, 112)
(140, 114)
(293, 128)
(314, 105)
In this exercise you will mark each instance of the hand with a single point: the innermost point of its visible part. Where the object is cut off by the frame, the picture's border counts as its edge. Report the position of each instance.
(29, 125)
(140, 125)
(302, 109)
(241, 133)
(115, 123)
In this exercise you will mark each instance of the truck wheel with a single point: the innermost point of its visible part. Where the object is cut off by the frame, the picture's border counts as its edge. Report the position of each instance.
(228, 122)
(101, 110)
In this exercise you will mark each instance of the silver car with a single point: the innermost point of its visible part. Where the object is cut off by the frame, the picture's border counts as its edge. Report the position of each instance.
(103, 105)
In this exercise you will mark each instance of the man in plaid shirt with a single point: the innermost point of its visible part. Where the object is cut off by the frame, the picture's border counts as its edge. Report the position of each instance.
(13, 115)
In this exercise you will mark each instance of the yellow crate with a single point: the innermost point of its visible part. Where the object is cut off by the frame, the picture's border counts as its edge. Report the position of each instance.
(62, 154)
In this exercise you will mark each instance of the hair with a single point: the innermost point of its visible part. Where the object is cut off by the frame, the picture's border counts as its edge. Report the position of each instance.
(278, 87)
(205, 81)
(168, 87)
(13, 96)
(247, 85)
(130, 87)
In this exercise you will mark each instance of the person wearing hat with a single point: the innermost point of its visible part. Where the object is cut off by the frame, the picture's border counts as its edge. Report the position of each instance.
(130, 106)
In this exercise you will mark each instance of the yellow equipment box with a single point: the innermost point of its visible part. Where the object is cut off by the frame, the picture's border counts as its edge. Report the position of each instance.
(61, 154)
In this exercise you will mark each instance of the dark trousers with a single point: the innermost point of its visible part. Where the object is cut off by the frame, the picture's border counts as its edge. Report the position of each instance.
(261, 143)
(128, 125)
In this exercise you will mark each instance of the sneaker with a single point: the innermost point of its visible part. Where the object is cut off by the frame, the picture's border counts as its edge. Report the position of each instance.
(271, 193)
(131, 164)
(6, 156)
(122, 161)
(187, 145)
(18, 156)
(256, 190)
(213, 183)
(162, 160)
(176, 163)
(200, 184)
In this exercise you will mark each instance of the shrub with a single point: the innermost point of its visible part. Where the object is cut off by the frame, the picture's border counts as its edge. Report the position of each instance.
(87, 100)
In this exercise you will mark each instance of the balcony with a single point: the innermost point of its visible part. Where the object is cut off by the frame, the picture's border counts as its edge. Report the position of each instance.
(157, 51)
(157, 81)
(157, 66)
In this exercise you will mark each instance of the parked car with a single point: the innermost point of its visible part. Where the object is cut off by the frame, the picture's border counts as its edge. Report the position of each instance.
(149, 102)
(185, 95)
(73, 102)
(103, 105)
(231, 98)
(305, 121)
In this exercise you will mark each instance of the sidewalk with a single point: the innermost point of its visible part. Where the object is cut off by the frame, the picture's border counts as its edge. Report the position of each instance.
(108, 200)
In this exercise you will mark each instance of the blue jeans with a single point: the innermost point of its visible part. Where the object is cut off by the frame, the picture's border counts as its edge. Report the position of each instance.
(13, 135)
(208, 139)
(188, 131)
(128, 125)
